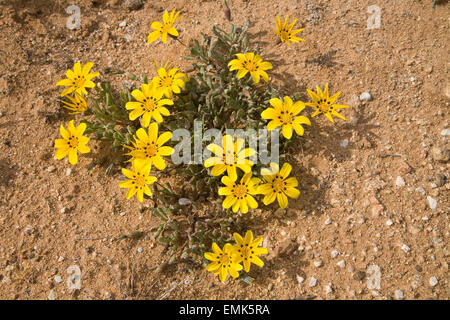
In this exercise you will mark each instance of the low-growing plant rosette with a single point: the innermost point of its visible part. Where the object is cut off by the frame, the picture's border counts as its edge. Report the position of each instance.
(137, 125)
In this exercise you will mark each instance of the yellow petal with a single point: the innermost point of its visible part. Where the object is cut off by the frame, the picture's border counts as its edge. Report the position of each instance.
(73, 156)
(153, 36)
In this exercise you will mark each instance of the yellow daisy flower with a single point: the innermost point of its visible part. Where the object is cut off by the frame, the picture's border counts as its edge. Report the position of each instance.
(139, 179)
(223, 261)
(165, 28)
(248, 251)
(239, 195)
(278, 185)
(148, 105)
(285, 114)
(169, 81)
(229, 157)
(323, 103)
(285, 32)
(252, 63)
(78, 79)
(72, 141)
(150, 147)
(77, 104)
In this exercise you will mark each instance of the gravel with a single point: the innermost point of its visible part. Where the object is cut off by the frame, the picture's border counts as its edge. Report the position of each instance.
(366, 96)
(400, 182)
(398, 294)
(406, 248)
(328, 288)
(312, 282)
(433, 281)
(440, 179)
(341, 264)
(52, 295)
(334, 253)
(359, 275)
(300, 279)
(374, 277)
(432, 203)
(420, 190)
(440, 154)
(28, 230)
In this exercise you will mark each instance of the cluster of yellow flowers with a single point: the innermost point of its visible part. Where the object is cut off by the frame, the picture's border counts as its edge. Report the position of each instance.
(228, 260)
(150, 103)
(230, 157)
(148, 148)
(73, 140)
(151, 106)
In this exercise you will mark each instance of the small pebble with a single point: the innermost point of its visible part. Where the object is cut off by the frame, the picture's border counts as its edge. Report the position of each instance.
(328, 288)
(334, 253)
(123, 24)
(68, 171)
(341, 264)
(433, 281)
(122, 213)
(400, 182)
(440, 180)
(398, 294)
(318, 263)
(359, 275)
(445, 132)
(374, 277)
(389, 223)
(52, 295)
(58, 279)
(328, 221)
(432, 203)
(406, 248)
(365, 96)
(344, 143)
(28, 230)
(312, 282)
(300, 279)
(420, 190)
(139, 250)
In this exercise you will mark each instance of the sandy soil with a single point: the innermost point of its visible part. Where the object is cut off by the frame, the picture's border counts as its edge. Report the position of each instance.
(53, 215)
